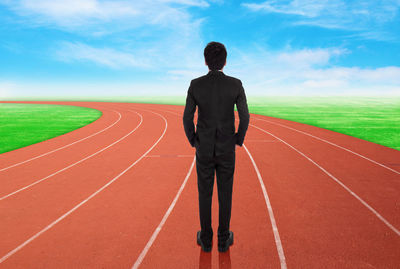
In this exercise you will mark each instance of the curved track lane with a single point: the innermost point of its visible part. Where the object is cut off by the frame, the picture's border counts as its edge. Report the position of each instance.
(134, 204)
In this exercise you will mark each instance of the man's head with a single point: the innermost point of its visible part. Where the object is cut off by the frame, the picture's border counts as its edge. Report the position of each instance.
(215, 55)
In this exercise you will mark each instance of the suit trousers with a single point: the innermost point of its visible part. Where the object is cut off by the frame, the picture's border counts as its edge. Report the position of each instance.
(223, 166)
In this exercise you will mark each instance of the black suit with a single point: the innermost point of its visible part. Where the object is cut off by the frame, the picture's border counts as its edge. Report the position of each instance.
(215, 95)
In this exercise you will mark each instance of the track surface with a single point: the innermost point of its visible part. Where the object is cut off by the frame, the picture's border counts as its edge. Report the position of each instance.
(121, 192)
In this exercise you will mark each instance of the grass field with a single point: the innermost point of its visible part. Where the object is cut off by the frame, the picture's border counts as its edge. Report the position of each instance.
(25, 124)
(375, 119)
(369, 118)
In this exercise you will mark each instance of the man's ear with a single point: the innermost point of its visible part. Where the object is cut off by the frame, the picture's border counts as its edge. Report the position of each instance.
(205, 62)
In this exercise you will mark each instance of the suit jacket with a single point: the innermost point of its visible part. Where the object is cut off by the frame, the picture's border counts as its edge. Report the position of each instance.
(215, 95)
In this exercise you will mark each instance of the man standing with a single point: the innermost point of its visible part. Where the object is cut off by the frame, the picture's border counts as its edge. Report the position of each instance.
(215, 95)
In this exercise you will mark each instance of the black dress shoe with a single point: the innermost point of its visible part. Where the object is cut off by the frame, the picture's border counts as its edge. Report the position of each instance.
(204, 245)
(223, 246)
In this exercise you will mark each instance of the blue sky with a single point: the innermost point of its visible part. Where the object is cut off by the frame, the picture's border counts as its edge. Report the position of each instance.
(122, 48)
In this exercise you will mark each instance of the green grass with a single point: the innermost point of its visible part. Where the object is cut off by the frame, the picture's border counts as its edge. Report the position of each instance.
(25, 124)
(375, 119)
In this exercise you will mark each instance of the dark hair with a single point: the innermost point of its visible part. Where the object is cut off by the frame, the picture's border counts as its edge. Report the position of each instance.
(215, 55)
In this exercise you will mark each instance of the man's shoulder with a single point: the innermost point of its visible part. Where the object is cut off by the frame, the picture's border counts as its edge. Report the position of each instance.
(206, 77)
(236, 80)
(198, 79)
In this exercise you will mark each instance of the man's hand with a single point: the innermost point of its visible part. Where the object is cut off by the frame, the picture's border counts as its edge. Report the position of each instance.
(244, 116)
(188, 116)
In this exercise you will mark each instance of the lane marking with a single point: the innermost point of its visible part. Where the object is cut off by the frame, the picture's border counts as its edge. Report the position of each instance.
(164, 219)
(278, 242)
(75, 163)
(63, 147)
(168, 156)
(387, 223)
(333, 144)
(12, 252)
(260, 140)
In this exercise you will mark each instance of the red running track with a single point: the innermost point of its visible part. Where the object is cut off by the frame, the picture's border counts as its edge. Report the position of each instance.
(121, 192)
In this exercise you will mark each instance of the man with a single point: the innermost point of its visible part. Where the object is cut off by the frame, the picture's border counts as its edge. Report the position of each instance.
(215, 95)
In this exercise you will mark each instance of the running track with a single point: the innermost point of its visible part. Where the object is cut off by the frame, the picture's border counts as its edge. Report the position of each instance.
(121, 192)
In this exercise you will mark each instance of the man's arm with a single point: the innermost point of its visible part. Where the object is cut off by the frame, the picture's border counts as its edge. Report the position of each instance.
(188, 116)
(244, 116)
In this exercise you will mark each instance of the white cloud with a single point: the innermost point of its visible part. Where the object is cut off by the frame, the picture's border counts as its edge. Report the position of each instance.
(309, 71)
(78, 15)
(308, 57)
(157, 33)
(77, 8)
(297, 72)
(173, 44)
(307, 8)
(380, 76)
(69, 51)
(196, 3)
(167, 56)
(71, 13)
(349, 15)
(261, 73)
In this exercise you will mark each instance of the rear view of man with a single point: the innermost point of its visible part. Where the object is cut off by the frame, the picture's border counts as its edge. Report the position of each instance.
(215, 95)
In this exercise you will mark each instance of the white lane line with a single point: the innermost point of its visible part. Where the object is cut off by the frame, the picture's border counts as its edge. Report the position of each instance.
(278, 242)
(169, 156)
(387, 223)
(172, 112)
(75, 163)
(12, 252)
(260, 140)
(333, 144)
(267, 201)
(164, 219)
(63, 147)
